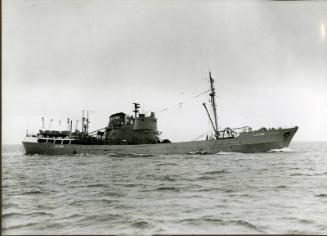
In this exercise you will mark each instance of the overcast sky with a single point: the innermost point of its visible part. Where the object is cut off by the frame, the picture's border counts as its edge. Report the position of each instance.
(268, 59)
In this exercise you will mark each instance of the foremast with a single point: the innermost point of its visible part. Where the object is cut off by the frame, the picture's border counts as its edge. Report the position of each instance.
(213, 104)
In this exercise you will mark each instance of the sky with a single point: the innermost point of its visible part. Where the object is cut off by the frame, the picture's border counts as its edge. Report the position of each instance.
(268, 60)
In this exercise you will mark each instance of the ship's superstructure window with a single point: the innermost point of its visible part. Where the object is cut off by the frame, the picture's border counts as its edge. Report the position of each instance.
(50, 141)
(58, 141)
(65, 142)
(41, 140)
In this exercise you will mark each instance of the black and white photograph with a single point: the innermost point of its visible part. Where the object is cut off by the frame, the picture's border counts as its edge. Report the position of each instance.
(139, 117)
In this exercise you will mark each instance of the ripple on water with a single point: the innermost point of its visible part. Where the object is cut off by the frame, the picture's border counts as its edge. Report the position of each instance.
(214, 172)
(248, 225)
(141, 224)
(167, 188)
(18, 214)
(32, 192)
(97, 185)
(197, 221)
(91, 201)
(166, 178)
(14, 227)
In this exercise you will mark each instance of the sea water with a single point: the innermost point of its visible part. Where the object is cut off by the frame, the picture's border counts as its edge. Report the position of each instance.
(283, 191)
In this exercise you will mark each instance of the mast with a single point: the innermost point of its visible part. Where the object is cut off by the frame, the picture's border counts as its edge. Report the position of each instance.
(68, 122)
(213, 103)
(83, 128)
(87, 121)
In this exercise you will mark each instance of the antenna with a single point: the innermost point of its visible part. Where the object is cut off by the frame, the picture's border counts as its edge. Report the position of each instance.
(87, 121)
(68, 123)
(83, 121)
(43, 126)
(213, 103)
(50, 123)
(76, 125)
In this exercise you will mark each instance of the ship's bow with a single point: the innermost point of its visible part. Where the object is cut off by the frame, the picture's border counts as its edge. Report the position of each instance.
(264, 140)
(288, 135)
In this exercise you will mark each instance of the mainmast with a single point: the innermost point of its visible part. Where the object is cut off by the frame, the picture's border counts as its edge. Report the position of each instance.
(213, 103)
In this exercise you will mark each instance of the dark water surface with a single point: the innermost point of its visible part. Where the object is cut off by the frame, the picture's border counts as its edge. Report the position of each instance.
(284, 191)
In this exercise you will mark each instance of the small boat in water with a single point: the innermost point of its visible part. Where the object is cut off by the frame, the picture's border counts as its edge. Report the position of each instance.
(138, 134)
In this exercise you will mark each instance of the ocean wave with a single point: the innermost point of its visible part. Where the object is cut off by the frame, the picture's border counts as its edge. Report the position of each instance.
(286, 150)
(214, 172)
(321, 195)
(82, 154)
(305, 221)
(225, 153)
(12, 214)
(166, 164)
(205, 177)
(248, 225)
(208, 189)
(122, 206)
(140, 155)
(33, 192)
(7, 154)
(100, 218)
(297, 174)
(197, 153)
(197, 221)
(130, 185)
(82, 202)
(54, 225)
(6, 205)
(18, 214)
(72, 216)
(141, 224)
(281, 186)
(166, 178)
(228, 190)
(298, 232)
(96, 185)
(174, 189)
(302, 174)
(19, 226)
(110, 194)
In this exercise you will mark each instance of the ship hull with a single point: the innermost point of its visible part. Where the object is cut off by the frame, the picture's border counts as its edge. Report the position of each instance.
(250, 142)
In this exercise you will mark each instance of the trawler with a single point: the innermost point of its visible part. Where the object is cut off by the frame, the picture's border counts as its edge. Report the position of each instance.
(138, 134)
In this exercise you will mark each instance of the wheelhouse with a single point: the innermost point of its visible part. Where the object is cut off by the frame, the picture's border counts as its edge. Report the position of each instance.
(56, 140)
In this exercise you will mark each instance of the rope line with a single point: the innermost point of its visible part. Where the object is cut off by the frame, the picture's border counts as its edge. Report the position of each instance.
(181, 103)
(200, 136)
